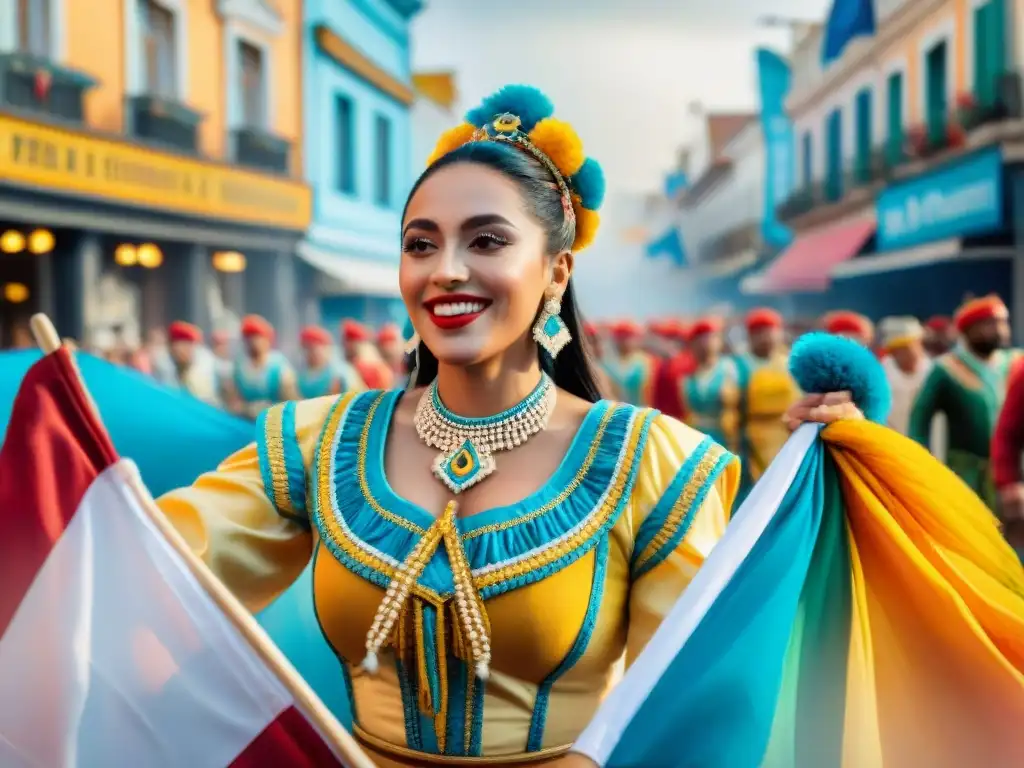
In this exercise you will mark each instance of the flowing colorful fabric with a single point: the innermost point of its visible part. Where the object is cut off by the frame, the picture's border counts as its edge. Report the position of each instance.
(861, 610)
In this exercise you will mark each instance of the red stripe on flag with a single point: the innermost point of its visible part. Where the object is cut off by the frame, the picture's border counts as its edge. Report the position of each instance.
(54, 449)
(289, 740)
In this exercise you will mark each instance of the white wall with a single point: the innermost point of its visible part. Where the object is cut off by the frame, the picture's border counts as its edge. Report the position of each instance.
(429, 121)
(736, 200)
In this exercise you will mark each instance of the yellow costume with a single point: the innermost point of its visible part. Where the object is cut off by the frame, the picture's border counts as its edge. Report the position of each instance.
(572, 579)
(769, 391)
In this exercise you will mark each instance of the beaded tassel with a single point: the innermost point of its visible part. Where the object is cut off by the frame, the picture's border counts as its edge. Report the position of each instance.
(468, 606)
(397, 595)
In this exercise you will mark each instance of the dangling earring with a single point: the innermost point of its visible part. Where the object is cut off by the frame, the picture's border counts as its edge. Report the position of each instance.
(549, 331)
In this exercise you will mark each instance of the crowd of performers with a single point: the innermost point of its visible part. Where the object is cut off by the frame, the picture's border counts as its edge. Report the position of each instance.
(957, 387)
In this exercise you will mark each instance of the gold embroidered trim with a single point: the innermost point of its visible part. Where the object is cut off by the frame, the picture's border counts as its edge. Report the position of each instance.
(328, 516)
(589, 528)
(562, 495)
(419, 759)
(683, 504)
(273, 438)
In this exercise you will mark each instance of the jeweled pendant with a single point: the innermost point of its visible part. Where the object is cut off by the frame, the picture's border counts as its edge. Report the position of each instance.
(463, 467)
(552, 335)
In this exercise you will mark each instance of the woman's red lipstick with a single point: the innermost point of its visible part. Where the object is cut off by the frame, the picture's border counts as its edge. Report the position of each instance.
(455, 310)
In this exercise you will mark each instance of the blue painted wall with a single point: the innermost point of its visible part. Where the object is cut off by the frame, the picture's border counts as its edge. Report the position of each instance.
(354, 224)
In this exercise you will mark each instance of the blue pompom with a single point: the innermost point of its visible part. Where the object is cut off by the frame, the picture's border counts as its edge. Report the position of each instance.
(821, 362)
(524, 101)
(589, 184)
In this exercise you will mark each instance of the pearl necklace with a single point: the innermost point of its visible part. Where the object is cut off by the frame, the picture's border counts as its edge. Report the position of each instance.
(467, 445)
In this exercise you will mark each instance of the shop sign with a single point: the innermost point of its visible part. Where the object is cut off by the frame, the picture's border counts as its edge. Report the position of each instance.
(57, 160)
(960, 199)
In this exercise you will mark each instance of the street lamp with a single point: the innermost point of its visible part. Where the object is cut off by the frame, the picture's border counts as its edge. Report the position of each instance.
(12, 241)
(125, 255)
(41, 242)
(150, 256)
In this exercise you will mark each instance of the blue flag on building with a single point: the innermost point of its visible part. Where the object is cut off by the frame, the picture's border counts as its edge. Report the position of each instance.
(675, 183)
(774, 80)
(847, 20)
(669, 245)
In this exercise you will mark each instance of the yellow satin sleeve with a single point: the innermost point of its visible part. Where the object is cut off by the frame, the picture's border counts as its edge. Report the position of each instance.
(236, 523)
(681, 504)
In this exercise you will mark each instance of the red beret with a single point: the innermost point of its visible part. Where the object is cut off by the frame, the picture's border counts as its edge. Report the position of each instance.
(844, 321)
(589, 329)
(763, 318)
(938, 323)
(976, 310)
(353, 331)
(313, 335)
(179, 330)
(254, 325)
(704, 325)
(388, 334)
(626, 329)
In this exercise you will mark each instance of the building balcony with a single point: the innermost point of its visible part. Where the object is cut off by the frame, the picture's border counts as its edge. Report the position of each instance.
(36, 85)
(731, 242)
(255, 148)
(166, 123)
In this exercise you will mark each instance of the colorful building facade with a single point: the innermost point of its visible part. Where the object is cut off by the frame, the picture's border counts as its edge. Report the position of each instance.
(150, 162)
(906, 123)
(357, 98)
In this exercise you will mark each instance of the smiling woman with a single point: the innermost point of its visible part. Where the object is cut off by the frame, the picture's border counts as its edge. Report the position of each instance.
(490, 544)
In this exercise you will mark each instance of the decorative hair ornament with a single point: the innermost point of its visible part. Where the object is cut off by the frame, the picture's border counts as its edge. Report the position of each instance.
(521, 116)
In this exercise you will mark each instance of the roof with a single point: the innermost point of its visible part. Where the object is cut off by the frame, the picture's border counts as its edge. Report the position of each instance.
(723, 128)
(438, 87)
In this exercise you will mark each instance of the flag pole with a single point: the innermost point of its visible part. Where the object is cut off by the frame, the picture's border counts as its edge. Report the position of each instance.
(332, 732)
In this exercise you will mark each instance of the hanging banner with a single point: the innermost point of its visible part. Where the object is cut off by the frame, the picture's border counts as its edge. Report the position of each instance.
(774, 80)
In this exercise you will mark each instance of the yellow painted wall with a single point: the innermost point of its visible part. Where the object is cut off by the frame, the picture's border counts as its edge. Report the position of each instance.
(95, 44)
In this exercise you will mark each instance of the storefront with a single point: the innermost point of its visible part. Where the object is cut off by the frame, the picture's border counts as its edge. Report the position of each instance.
(106, 235)
(940, 237)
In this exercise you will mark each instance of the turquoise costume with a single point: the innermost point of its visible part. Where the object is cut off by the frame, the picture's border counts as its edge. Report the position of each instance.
(263, 385)
(711, 398)
(634, 377)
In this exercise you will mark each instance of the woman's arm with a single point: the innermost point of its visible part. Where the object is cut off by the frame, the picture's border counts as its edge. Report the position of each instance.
(681, 505)
(247, 519)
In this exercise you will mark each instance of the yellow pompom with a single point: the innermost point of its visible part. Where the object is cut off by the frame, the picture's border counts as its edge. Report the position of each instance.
(559, 141)
(587, 223)
(451, 140)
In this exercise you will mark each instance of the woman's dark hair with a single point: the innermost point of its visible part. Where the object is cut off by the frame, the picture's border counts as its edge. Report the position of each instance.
(573, 369)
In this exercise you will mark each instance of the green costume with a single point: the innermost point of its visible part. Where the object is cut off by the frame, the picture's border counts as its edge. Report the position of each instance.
(970, 392)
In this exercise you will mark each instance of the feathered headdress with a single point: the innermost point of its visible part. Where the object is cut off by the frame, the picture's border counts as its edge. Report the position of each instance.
(520, 115)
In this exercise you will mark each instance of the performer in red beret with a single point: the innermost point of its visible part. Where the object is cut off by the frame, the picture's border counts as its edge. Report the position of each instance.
(678, 364)
(631, 369)
(321, 372)
(263, 375)
(391, 346)
(768, 390)
(968, 385)
(189, 373)
(362, 354)
(939, 335)
(711, 394)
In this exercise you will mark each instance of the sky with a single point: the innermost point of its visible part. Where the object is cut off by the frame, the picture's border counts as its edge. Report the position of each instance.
(625, 73)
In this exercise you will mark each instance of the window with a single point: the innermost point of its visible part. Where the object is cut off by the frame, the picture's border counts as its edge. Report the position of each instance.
(344, 137)
(863, 136)
(989, 51)
(158, 45)
(834, 155)
(34, 27)
(936, 83)
(382, 180)
(894, 123)
(807, 160)
(252, 85)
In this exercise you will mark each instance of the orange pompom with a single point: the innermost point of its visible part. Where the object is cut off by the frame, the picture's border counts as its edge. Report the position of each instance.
(560, 142)
(587, 222)
(451, 140)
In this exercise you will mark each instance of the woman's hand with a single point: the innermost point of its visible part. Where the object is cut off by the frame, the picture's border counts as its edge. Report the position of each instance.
(822, 409)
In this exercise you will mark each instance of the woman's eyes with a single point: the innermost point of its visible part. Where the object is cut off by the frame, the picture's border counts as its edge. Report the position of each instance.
(485, 241)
